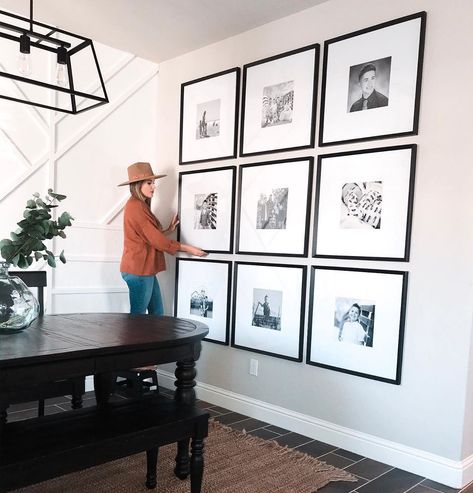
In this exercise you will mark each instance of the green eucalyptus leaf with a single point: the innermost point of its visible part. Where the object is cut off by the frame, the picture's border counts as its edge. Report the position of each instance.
(5, 242)
(62, 234)
(51, 261)
(57, 196)
(27, 214)
(29, 259)
(64, 220)
(36, 194)
(22, 262)
(38, 255)
(8, 252)
(62, 258)
(31, 204)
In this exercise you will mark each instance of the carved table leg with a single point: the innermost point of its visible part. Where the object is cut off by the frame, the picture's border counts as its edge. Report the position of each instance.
(185, 383)
(103, 384)
(185, 393)
(151, 466)
(197, 465)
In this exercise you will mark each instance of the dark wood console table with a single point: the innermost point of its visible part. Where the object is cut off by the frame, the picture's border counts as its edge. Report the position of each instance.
(56, 347)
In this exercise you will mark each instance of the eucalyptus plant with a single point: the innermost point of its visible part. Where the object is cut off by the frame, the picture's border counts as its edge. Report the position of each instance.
(25, 245)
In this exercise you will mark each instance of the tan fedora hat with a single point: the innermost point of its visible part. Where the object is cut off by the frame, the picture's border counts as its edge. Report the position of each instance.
(140, 172)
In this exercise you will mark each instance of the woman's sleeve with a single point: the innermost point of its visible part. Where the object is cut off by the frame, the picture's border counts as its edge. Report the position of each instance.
(151, 234)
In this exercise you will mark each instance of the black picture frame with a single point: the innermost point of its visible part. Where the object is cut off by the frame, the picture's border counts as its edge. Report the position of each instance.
(288, 237)
(202, 89)
(365, 233)
(219, 183)
(285, 342)
(350, 356)
(219, 326)
(340, 122)
(255, 83)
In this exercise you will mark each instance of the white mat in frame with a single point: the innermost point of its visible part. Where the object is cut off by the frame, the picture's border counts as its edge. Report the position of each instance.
(203, 294)
(269, 308)
(274, 207)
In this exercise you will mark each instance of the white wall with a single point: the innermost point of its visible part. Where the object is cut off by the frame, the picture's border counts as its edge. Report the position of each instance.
(84, 157)
(422, 424)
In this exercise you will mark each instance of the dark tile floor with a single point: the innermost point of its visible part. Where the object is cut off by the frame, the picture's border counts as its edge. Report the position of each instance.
(373, 476)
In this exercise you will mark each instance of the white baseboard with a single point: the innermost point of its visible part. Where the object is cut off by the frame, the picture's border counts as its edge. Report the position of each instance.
(455, 474)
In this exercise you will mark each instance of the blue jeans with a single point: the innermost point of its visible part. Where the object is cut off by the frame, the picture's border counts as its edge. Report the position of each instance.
(144, 294)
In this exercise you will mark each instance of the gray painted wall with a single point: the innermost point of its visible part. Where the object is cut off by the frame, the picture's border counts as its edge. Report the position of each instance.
(429, 409)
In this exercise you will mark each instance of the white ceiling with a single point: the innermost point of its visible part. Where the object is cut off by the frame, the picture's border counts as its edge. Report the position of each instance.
(158, 29)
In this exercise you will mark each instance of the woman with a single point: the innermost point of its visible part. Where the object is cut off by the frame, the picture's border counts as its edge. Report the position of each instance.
(145, 241)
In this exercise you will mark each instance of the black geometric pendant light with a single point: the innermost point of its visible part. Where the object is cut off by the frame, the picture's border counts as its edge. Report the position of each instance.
(44, 66)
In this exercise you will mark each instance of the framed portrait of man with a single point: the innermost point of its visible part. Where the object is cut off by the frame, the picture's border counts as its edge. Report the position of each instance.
(371, 82)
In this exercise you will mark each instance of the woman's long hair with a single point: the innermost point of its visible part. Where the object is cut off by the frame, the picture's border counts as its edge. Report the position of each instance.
(135, 190)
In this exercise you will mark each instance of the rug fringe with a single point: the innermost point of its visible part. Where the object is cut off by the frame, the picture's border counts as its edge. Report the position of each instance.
(300, 457)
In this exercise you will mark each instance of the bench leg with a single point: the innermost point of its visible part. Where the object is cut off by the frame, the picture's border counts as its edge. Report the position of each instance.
(41, 408)
(78, 390)
(151, 466)
(182, 468)
(197, 465)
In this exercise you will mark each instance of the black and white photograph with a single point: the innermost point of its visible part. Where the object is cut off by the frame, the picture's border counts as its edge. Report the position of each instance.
(274, 207)
(279, 102)
(267, 304)
(371, 82)
(271, 212)
(269, 308)
(209, 117)
(206, 209)
(356, 321)
(369, 85)
(361, 205)
(201, 304)
(203, 294)
(364, 204)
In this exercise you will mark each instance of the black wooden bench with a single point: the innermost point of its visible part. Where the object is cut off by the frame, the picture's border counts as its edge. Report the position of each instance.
(38, 449)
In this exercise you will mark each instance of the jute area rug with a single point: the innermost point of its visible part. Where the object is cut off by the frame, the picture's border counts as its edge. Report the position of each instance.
(234, 463)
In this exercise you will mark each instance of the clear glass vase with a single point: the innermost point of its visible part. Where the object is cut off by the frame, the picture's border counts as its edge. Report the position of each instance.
(18, 306)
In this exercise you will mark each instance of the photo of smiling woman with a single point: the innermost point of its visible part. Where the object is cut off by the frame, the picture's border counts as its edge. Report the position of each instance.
(145, 242)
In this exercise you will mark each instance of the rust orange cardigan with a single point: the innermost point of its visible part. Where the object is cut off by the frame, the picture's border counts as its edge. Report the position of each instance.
(144, 243)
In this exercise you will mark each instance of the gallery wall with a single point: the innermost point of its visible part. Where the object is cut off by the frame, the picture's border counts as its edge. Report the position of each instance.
(424, 424)
(84, 157)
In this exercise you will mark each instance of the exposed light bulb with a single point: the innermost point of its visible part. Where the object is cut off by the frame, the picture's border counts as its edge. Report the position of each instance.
(61, 66)
(24, 64)
(24, 61)
(61, 74)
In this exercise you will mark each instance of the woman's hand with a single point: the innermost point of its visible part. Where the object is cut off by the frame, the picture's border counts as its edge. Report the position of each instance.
(197, 252)
(173, 224)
